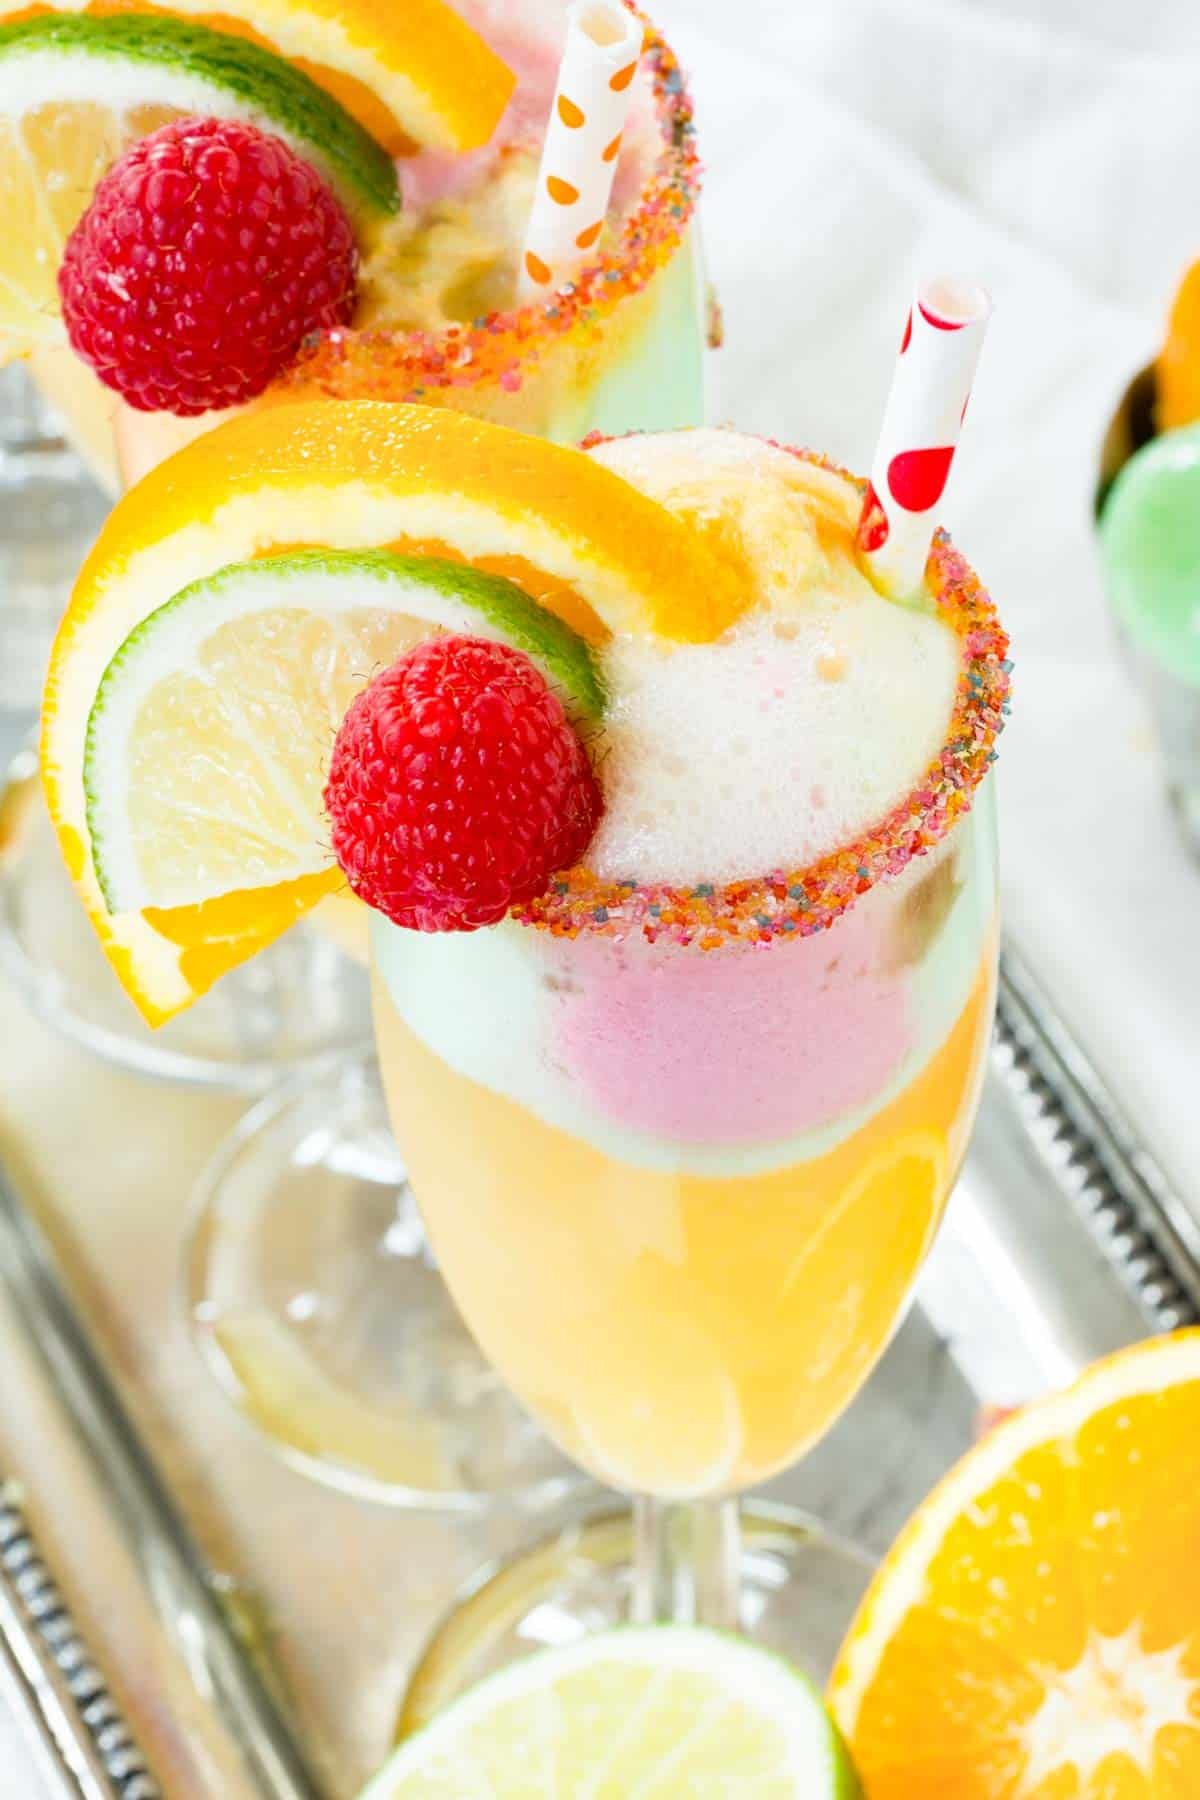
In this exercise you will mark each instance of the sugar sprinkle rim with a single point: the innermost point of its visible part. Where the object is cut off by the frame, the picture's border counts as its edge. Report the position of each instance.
(801, 902)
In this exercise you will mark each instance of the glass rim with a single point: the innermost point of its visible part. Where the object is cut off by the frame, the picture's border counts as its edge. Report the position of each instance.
(799, 902)
(501, 347)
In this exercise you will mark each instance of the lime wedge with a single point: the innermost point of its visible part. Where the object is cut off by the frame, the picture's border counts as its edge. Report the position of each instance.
(660, 1713)
(76, 89)
(209, 738)
(416, 73)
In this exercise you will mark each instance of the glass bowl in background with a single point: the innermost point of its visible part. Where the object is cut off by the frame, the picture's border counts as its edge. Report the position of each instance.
(1148, 520)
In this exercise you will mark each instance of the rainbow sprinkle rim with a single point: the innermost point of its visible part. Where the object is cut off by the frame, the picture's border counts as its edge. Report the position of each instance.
(504, 346)
(801, 902)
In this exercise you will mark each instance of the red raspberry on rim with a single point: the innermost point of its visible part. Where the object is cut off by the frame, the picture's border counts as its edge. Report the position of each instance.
(209, 252)
(458, 787)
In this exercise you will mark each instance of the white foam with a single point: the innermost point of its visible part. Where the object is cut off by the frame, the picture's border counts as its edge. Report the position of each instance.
(804, 725)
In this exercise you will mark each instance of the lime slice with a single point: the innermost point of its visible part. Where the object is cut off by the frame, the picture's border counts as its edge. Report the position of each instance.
(77, 89)
(416, 73)
(663, 1713)
(209, 739)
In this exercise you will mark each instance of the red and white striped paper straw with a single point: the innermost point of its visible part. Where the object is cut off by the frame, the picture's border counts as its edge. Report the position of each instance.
(939, 353)
(583, 141)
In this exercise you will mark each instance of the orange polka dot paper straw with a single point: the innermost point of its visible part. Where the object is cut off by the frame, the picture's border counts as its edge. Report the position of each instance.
(939, 352)
(583, 142)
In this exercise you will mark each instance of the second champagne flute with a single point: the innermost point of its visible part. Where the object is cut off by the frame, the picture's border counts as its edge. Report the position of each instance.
(308, 1278)
(308, 1275)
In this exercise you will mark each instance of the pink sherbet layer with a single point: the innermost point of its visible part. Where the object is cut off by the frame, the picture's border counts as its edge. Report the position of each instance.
(737, 1046)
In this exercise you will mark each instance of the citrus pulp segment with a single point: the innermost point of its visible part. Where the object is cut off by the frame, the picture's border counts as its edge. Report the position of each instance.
(662, 1712)
(350, 475)
(77, 90)
(1035, 1631)
(209, 739)
(416, 73)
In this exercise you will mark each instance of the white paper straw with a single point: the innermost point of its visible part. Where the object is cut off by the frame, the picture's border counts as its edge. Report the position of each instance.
(583, 140)
(939, 353)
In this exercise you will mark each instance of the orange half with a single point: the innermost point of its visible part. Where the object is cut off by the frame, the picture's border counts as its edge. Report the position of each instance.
(1035, 1632)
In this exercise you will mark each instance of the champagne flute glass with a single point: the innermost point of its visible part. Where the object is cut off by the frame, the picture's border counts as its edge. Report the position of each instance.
(307, 1200)
(681, 1192)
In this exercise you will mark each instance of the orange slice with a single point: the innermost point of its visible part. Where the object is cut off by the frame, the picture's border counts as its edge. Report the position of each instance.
(1035, 1632)
(410, 71)
(76, 91)
(348, 475)
(1179, 363)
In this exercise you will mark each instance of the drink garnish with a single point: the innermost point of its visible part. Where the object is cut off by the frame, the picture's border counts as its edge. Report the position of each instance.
(458, 786)
(208, 254)
(581, 542)
(939, 350)
(254, 668)
(176, 884)
(583, 142)
(77, 90)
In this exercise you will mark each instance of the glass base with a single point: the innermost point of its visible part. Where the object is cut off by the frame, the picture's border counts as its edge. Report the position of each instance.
(800, 1588)
(292, 1006)
(1185, 804)
(315, 1302)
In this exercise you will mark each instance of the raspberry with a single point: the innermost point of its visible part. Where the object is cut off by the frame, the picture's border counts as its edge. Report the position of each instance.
(209, 252)
(458, 787)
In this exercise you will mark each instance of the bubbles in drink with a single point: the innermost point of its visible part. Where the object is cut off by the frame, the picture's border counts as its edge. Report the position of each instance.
(848, 694)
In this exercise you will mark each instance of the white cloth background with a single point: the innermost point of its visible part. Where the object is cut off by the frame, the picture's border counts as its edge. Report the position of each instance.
(1051, 149)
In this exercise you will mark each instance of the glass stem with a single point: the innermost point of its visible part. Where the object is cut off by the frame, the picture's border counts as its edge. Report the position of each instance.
(25, 423)
(686, 1563)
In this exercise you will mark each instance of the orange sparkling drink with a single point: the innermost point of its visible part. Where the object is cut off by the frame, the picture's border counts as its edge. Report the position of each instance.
(681, 1150)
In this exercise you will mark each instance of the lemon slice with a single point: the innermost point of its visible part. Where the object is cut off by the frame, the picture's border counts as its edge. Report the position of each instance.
(410, 73)
(663, 1713)
(209, 739)
(349, 475)
(77, 91)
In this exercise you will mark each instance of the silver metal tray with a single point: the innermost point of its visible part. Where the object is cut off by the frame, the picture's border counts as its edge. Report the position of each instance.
(255, 1630)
